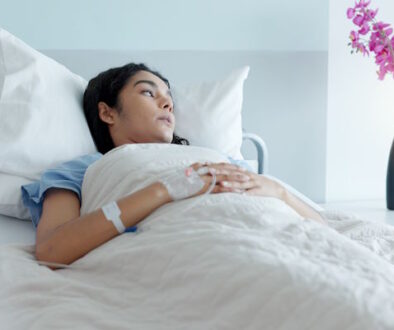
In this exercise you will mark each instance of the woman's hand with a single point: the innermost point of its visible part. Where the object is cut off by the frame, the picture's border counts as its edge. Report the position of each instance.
(260, 185)
(233, 178)
(223, 172)
(255, 184)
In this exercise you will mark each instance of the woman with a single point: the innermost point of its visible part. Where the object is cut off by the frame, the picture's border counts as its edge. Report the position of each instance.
(133, 104)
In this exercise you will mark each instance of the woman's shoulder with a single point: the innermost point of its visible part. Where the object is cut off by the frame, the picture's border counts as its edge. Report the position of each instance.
(71, 168)
(67, 175)
(84, 160)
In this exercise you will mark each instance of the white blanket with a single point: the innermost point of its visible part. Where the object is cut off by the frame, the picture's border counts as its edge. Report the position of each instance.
(223, 261)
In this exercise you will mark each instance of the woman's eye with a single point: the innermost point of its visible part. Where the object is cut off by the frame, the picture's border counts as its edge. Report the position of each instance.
(147, 92)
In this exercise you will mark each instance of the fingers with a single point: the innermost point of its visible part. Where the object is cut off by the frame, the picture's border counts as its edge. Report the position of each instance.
(237, 185)
(229, 177)
(233, 180)
(196, 166)
(220, 189)
(222, 168)
(226, 167)
(224, 185)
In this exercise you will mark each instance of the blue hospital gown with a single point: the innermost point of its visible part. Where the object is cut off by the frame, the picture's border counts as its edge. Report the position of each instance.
(68, 175)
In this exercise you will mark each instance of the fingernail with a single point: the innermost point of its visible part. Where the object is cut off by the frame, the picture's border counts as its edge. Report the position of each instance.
(188, 171)
(226, 184)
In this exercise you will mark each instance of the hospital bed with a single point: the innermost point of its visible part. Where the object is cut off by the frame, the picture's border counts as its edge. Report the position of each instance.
(230, 262)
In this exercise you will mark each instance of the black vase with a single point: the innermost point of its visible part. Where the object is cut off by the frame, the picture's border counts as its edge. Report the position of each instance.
(390, 180)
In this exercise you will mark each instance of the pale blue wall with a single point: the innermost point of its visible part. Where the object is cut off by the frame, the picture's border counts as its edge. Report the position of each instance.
(169, 24)
(284, 42)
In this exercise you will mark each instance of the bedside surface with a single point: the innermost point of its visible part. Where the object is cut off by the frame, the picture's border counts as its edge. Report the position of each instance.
(372, 210)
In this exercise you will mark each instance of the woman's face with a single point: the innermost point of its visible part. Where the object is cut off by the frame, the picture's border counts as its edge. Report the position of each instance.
(146, 112)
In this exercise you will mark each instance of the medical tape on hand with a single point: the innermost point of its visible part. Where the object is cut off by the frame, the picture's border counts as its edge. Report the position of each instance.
(184, 183)
(202, 171)
(206, 170)
(112, 213)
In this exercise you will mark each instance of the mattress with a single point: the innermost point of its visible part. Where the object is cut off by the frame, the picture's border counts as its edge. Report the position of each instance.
(13, 230)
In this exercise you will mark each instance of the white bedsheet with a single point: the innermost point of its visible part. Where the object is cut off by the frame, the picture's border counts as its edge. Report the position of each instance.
(229, 262)
(13, 230)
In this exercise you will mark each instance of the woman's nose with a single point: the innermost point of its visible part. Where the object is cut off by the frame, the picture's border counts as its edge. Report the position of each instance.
(166, 104)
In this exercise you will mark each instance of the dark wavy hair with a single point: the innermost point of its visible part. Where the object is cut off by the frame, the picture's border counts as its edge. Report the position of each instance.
(106, 88)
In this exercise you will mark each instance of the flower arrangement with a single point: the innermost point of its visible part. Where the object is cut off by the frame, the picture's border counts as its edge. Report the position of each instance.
(372, 36)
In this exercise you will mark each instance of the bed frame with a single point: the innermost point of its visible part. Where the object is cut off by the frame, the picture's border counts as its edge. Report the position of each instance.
(262, 151)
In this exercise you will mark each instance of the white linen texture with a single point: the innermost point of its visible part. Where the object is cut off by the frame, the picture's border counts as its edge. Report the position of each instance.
(220, 261)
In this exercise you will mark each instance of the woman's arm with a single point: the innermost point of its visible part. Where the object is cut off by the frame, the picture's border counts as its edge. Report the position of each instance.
(63, 237)
(300, 207)
(264, 186)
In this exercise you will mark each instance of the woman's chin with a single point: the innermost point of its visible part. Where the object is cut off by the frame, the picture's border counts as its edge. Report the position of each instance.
(165, 138)
(166, 131)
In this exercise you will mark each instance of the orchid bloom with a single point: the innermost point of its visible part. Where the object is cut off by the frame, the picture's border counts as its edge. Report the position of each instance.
(379, 36)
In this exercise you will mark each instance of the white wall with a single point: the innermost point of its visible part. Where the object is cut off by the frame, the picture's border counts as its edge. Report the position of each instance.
(168, 24)
(360, 116)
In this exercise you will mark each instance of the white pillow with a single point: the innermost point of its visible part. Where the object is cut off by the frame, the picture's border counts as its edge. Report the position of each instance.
(41, 109)
(208, 114)
(42, 121)
(10, 196)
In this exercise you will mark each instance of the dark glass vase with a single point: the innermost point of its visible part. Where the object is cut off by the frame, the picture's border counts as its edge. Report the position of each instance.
(390, 180)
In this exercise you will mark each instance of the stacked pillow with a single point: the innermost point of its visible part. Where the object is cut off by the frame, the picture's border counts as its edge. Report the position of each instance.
(42, 121)
(209, 114)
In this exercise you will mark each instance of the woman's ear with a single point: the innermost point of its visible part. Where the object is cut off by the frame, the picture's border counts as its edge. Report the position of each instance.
(106, 113)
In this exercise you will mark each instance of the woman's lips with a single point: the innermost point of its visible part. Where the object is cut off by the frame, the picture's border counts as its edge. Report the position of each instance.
(166, 121)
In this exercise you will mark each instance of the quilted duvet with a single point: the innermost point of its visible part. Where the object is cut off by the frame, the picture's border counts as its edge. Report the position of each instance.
(220, 261)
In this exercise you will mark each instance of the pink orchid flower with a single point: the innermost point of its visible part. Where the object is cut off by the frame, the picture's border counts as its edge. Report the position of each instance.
(359, 20)
(371, 13)
(362, 4)
(354, 38)
(364, 29)
(361, 48)
(350, 13)
(380, 26)
(376, 36)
